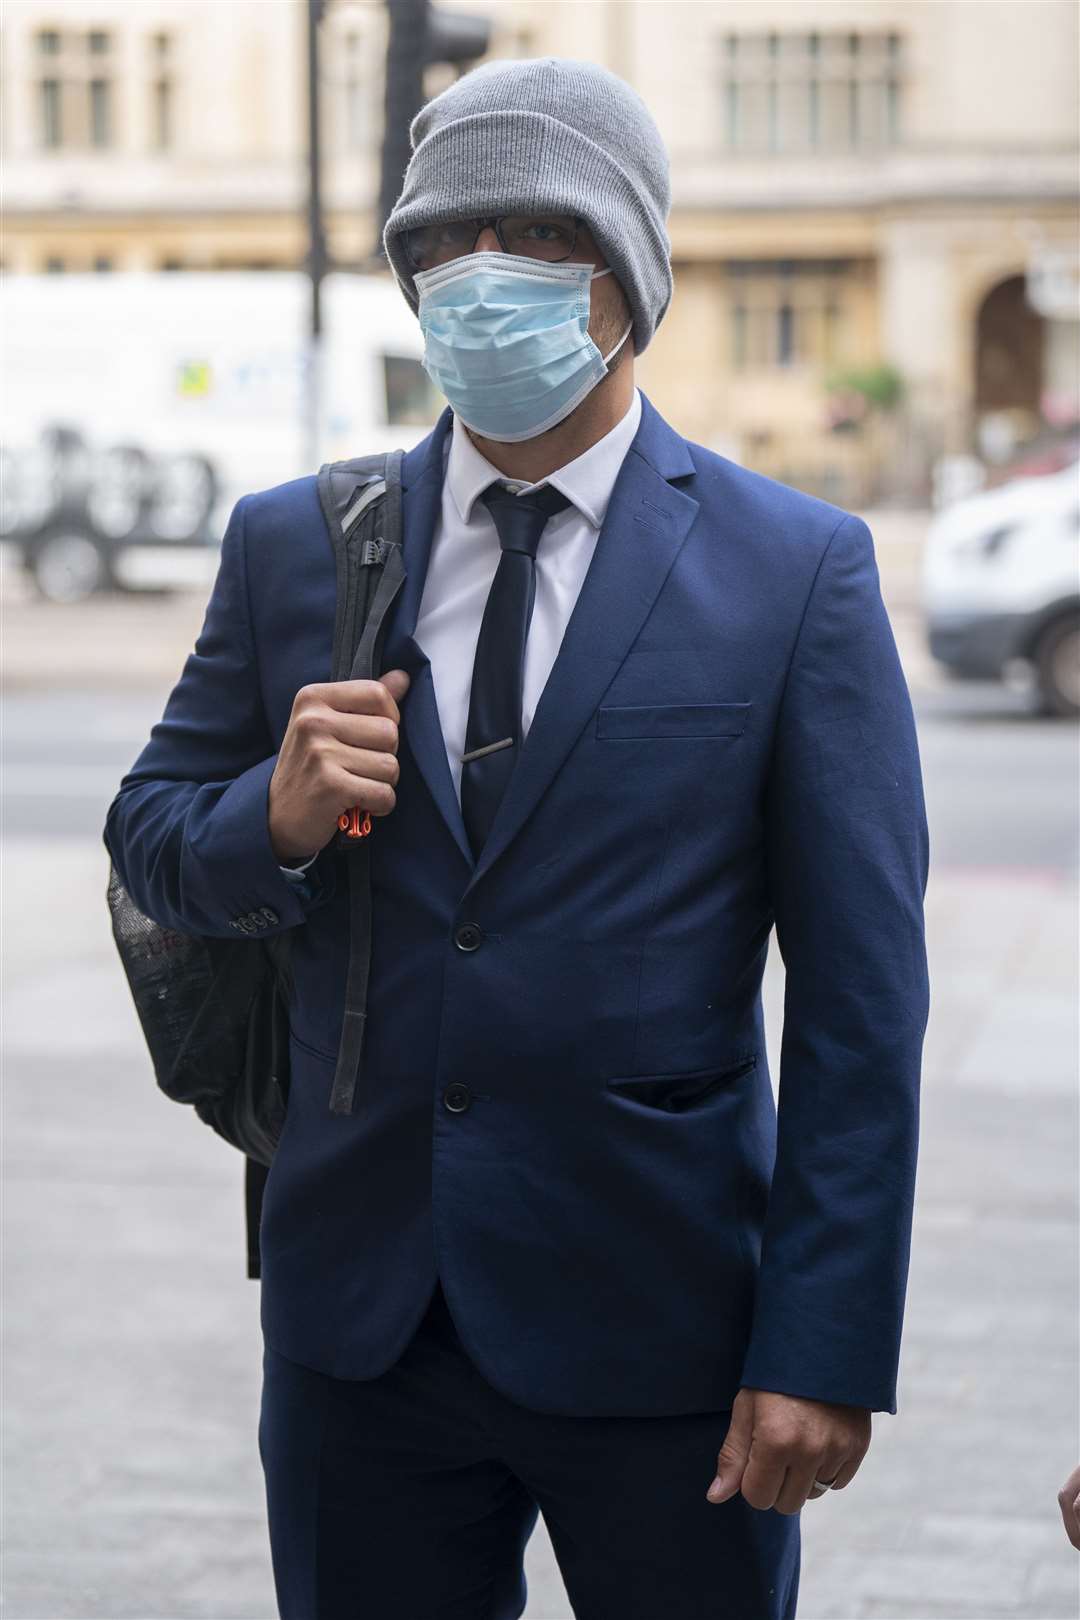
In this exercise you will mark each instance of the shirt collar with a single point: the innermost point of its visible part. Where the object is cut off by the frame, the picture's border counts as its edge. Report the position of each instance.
(587, 481)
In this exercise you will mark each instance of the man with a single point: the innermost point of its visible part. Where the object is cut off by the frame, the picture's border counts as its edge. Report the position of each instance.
(638, 705)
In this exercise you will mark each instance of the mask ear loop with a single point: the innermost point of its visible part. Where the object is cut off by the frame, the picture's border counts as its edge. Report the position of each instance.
(596, 275)
(619, 345)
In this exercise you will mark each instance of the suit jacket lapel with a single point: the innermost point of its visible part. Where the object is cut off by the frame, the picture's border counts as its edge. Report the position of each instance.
(422, 481)
(646, 523)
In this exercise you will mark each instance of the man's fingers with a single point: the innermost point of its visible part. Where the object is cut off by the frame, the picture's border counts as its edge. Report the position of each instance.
(845, 1473)
(1070, 1513)
(798, 1487)
(778, 1445)
(795, 1488)
(733, 1453)
(763, 1477)
(370, 792)
(356, 697)
(397, 683)
(369, 762)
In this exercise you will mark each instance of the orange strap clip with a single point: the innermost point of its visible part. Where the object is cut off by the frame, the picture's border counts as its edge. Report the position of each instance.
(355, 823)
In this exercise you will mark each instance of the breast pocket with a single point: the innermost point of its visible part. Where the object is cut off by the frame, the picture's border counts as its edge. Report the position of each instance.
(619, 721)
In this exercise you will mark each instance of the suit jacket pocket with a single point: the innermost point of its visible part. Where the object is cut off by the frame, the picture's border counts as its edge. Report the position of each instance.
(675, 1093)
(672, 720)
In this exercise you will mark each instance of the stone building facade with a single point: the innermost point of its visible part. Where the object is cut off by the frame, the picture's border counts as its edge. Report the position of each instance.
(875, 202)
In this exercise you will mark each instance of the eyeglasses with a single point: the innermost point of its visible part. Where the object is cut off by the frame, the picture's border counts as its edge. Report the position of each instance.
(537, 236)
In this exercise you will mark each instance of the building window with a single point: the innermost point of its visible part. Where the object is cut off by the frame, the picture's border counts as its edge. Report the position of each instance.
(892, 89)
(162, 115)
(739, 323)
(54, 266)
(358, 89)
(75, 91)
(102, 263)
(785, 335)
(99, 112)
(51, 131)
(793, 92)
(789, 312)
(162, 93)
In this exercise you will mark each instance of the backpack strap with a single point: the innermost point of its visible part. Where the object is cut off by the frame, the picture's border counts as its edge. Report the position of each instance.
(361, 505)
(361, 500)
(347, 491)
(255, 1175)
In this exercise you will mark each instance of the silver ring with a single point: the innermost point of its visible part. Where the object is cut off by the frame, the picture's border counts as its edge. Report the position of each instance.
(824, 1484)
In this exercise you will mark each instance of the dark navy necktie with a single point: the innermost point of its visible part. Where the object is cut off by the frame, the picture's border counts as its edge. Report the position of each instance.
(493, 734)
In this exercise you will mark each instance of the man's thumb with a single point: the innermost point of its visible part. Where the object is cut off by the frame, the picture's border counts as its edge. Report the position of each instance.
(734, 1452)
(396, 682)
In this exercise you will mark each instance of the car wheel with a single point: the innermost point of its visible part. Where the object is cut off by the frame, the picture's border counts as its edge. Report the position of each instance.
(1057, 661)
(68, 568)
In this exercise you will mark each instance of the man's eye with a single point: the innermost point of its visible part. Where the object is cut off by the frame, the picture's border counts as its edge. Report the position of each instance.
(543, 230)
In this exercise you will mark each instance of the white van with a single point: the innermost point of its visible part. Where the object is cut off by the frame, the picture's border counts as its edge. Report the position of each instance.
(1001, 585)
(137, 408)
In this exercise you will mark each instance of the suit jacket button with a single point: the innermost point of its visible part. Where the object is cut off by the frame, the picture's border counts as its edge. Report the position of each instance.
(468, 937)
(457, 1097)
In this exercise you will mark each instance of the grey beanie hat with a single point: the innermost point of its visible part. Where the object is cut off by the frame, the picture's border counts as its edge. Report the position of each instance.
(545, 135)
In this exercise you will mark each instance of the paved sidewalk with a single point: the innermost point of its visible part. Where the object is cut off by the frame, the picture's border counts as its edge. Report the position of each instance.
(131, 1367)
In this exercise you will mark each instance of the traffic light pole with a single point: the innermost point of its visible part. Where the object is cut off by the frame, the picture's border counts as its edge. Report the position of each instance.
(419, 34)
(406, 54)
(317, 264)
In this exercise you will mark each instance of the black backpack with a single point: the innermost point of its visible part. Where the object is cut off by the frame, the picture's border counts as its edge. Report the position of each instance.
(214, 1012)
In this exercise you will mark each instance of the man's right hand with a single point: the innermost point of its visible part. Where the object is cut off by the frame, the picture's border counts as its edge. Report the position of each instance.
(339, 750)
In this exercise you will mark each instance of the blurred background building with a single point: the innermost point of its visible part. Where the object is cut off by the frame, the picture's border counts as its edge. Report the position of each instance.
(875, 204)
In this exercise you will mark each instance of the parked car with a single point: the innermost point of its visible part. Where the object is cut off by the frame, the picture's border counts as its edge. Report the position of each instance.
(81, 516)
(139, 406)
(1001, 585)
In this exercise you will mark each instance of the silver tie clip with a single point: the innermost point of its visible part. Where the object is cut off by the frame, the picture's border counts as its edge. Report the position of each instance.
(489, 748)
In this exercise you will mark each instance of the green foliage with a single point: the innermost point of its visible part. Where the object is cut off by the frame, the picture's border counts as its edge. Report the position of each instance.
(881, 385)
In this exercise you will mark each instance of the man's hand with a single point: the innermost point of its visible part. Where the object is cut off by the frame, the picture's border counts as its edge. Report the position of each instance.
(339, 749)
(1069, 1503)
(777, 1445)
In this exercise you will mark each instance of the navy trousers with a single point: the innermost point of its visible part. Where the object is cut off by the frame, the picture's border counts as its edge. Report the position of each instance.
(411, 1497)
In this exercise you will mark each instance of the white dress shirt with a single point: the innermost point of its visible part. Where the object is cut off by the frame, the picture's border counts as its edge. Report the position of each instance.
(465, 553)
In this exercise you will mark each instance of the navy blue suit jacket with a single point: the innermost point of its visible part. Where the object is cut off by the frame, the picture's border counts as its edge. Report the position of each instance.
(621, 1220)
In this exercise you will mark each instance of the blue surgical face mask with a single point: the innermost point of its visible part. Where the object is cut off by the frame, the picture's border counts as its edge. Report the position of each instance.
(506, 340)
